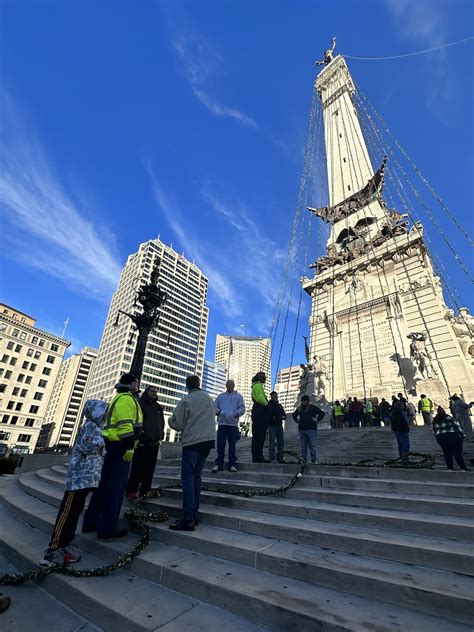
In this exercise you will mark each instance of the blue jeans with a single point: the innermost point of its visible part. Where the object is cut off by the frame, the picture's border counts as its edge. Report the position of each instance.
(403, 441)
(106, 502)
(231, 435)
(191, 469)
(308, 438)
(275, 433)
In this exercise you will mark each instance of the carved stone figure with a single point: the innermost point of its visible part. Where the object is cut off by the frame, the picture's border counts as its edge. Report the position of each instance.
(394, 305)
(320, 371)
(463, 327)
(328, 54)
(420, 355)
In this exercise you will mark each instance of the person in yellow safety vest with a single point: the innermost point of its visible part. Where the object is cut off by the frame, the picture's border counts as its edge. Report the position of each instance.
(425, 407)
(123, 422)
(338, 414)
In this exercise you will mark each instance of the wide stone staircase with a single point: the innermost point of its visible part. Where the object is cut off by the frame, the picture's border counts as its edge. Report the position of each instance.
(347, 548)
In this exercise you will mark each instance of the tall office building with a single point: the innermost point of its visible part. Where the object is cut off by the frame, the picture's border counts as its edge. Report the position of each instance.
(243, 357)
(214, 377)
(287, 387)
(67, 400)
(30, 359)
(176, 348)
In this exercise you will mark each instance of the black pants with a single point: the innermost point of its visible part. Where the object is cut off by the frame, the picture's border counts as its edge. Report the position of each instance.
(259, 431)
(143, 468)
(70, 509)
(451, 444)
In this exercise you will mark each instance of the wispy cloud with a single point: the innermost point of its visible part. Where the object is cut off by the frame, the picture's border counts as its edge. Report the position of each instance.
(221, 290)
(43, 226)
(201, 63)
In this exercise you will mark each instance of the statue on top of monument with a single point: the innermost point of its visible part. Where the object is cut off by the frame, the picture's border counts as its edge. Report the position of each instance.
(328, 54)
(420, 355)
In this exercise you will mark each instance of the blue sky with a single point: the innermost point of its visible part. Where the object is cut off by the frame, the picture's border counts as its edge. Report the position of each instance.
(124, 121)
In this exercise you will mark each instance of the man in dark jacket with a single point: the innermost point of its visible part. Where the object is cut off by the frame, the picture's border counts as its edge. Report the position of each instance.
(307, 417)
(146, 453)
(259, 417)
(400, 427)
(276, 416)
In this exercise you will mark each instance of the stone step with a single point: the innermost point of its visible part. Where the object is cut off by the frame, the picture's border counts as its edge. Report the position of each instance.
(122, 601)
(377, 500)
(437, 553)
(266, 597)
(400, 520)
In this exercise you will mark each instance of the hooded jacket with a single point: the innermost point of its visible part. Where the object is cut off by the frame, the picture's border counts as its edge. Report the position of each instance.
(86, 461)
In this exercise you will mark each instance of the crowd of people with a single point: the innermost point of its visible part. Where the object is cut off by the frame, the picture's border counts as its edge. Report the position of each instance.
(117, 446)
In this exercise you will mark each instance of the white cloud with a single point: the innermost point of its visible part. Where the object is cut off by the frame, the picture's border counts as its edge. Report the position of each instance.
(202, 63)
(221, 290)
(42, 225)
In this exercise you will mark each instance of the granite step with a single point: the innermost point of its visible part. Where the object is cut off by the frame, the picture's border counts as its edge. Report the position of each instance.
(401, 521)
(269, 598)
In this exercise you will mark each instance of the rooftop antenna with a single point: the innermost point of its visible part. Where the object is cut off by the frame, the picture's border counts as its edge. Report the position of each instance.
(66, 323)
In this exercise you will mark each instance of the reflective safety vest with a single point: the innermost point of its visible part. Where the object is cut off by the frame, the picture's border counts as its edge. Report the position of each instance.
(123, 419)
(338, 410)
(425, 405)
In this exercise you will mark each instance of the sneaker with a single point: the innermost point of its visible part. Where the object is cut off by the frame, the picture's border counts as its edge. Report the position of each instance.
(216, 468)
(120, 533)
(132, 496)
(71, 555)
(53, 558)
(180, 525)
(232, 468)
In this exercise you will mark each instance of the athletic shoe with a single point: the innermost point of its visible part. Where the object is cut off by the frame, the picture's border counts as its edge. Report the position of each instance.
(216, 468)
(180, 525)
(53, 558)
(71, 555)
(132, 496)
(232, 468)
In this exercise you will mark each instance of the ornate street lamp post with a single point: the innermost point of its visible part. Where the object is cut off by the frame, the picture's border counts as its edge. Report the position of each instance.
(150, 298)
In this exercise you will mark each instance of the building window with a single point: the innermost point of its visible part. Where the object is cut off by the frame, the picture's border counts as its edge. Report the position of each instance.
(5, 358)
(25, 365)
(38, 396)
(13, 361)
(18, 348)
(23, 393)
(54, 347)
(14, 420)
(29, 422)
(33, 366)
(10, 345)
(21, 377)
(15, 391)
(24, 438)
(34, 340)
(37, 355)
(1, 372)
(28, 379)
(8, 375)
(30, 352)
(50, 359)
(5, 419)
(19, 406)
(42, 383)
(2, 388)
(41, 342)
(23, 333)
(34, 409)
(10, 405)
(15, 333)
(46, 371)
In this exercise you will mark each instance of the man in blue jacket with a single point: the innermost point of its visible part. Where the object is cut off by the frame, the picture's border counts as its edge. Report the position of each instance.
(229, 407)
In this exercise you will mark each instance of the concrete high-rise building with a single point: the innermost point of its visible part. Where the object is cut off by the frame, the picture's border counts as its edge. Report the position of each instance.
(176, 348)
(287, 387)
(30, 359)
(68, 399)
(243, 357)
(214, 377)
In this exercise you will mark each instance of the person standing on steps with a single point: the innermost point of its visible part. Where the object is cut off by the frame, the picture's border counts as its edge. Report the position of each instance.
(411, 412)
(462, 413)
(83, 476)
(276, 417)
(338, 414)
(259, 417)
(307, 416)
(230, 407)
(400, 427)
(146, 453)
(384, 411)
(123, 424)
(425, 407)
(194, 417)
(449, 436)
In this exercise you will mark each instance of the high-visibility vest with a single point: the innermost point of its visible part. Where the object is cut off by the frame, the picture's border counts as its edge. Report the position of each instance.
(123, 418)
(425, 405)
(338, 410)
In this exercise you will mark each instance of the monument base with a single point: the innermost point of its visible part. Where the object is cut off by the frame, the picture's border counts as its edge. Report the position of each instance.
(434, 388)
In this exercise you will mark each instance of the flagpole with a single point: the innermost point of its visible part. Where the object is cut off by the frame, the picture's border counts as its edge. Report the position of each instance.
(66, 323)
